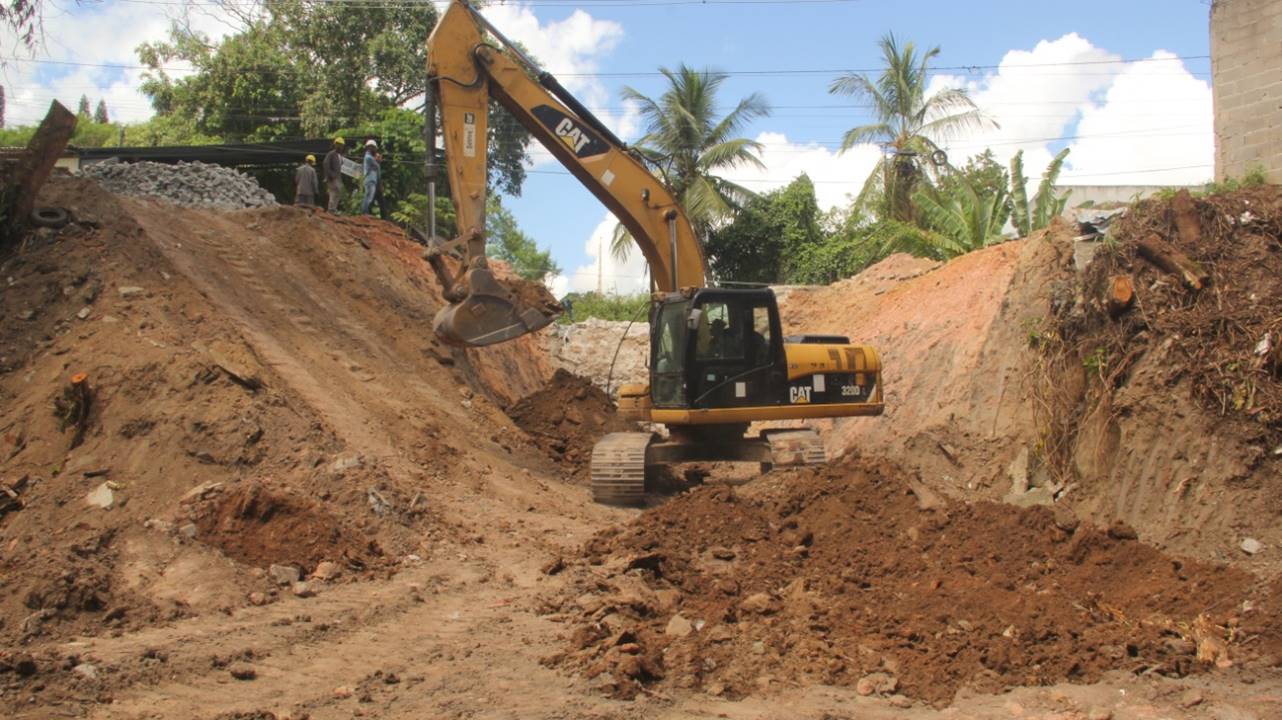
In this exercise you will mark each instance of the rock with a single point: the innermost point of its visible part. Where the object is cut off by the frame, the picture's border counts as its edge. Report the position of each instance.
(756, 603)
(302, 590)
(283, 574)
(86, 671)
(1251, 546)
(188, 531)
(721, 553)
(678, 627)
(1034, 497)
(101, 497)
(1018, 471)
(242, 671)
(1191, 698)
(199, 492)
(876, 683)
(84, 313)
(1121, 531)
(344, 464)
(326, 570)
(899, 701)
(1099, 713)
(257, 598)
(27, 315)
(130, 291)
(342, 692)
(23, 664)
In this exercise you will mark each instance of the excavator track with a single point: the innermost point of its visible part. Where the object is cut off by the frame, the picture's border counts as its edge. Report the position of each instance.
(618, 468)
(796, 447)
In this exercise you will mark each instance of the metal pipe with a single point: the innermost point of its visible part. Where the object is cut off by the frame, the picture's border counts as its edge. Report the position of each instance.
(671, 217)
(429, 162)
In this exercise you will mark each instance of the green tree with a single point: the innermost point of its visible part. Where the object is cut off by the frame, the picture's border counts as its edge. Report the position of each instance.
(306, 68)
(768, 232)
(82, 110)
(509, 243)
(908, 123)
(689, 145)
(2, 101)
(961, 218)
(981, 172)
(100, 113)
(1046, 204)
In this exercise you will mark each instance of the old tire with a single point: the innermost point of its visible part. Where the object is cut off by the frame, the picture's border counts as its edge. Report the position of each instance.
(50, 217)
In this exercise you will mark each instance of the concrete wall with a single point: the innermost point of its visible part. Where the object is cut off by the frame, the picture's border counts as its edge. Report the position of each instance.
(1246, 71)
(1100, 194)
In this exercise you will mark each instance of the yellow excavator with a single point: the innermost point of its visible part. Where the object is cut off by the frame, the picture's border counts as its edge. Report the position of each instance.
(719, 359)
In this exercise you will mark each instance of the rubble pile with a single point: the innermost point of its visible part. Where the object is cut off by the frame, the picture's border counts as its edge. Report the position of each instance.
(193, 184)
(851, 576)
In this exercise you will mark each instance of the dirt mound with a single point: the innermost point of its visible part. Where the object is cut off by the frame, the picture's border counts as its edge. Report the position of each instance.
(566, 418)
(259, 525)
(281, 355)
(849, 576)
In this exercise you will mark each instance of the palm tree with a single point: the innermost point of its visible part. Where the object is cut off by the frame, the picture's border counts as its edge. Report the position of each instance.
(688, 145)
(908, 124)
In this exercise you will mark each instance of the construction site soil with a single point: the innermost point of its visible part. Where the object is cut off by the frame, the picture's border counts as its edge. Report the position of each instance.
(242, 479)
(849, 576)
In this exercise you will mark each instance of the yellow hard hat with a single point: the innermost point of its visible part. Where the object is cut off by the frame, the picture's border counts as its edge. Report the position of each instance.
(311, 159)
(339, 141)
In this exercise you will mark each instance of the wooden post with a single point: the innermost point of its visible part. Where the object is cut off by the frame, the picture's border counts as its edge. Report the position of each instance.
(43, 151)
(1121, 295)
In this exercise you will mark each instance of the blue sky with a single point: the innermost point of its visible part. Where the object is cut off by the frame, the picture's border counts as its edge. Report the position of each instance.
(1131, 123)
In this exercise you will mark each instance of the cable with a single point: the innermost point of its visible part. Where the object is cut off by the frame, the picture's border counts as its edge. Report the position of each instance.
(777, 71)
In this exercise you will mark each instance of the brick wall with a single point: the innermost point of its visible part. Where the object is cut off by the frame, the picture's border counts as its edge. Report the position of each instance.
(1246, 70)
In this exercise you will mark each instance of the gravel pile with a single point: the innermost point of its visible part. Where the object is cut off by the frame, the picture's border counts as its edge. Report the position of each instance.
(195, 183)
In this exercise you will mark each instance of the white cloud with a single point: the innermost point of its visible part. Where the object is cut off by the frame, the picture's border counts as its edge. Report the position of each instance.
(1120, 119)
(95, 36)
(1156, 115)
(604, 271)
(838, 178)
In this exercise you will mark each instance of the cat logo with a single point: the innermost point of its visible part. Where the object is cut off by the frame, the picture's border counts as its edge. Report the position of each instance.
(571, 135)
(570, 131)
(798, 395)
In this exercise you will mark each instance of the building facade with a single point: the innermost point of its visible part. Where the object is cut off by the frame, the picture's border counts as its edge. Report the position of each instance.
(1246, 72)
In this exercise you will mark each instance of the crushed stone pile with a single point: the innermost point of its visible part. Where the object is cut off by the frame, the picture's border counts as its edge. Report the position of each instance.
(566, 418)
(851, 576)
(194, 184)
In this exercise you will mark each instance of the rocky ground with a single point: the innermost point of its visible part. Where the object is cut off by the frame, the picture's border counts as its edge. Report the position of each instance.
(274, 494)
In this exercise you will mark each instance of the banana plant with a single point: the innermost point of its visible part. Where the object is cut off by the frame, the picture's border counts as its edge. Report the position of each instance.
(1045, 205)
(964, 218)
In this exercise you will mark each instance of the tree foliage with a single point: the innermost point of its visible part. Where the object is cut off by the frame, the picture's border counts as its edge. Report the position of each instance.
(507, 242)
(689, 145)
(908, 123)
(82, 108)
(100, 113)
(1045, 205)
(306, 68)
(765, 236)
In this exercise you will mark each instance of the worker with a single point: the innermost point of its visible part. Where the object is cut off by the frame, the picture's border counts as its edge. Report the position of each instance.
(333, 168)
(371, 171)
(379, 199)
(305, 185)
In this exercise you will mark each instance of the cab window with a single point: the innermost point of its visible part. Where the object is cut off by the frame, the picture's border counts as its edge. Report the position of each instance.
(719, 335)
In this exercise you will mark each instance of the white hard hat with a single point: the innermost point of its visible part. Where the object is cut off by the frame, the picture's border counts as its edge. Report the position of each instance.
(371, 143)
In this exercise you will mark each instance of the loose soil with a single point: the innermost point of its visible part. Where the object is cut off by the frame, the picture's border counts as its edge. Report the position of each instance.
(566, 419)
(849, 576)
(264, 388)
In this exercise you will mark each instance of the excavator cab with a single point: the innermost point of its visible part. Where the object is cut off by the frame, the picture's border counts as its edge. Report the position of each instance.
(717, 348)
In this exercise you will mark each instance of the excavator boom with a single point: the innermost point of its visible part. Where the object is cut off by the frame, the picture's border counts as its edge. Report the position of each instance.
(465, 71)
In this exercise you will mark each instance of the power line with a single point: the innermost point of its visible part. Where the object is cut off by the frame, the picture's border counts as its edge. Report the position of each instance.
(758, 72)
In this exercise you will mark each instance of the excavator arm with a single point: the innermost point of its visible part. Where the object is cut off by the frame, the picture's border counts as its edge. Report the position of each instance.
(465, 71)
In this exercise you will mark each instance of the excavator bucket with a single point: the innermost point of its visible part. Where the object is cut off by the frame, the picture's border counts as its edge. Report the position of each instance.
(490, 313)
